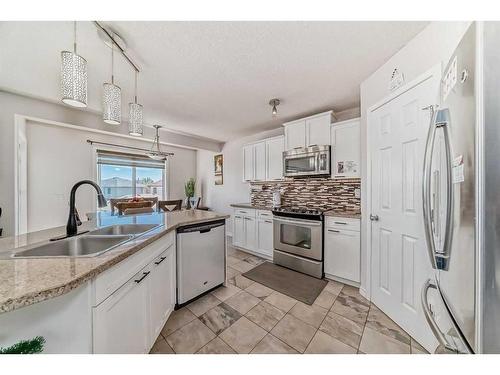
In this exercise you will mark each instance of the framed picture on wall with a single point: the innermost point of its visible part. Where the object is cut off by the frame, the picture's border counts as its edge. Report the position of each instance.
(219, 169)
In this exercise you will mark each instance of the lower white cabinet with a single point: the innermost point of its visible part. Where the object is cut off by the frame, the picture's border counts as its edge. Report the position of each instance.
(130, 319)
(253, 231)
(342, 249)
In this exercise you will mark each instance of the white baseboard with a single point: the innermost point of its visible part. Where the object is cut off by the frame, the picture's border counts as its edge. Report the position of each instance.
(341, 280)
(363, 292)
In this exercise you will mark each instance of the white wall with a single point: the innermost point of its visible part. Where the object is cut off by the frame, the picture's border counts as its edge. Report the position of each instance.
(10, 104)
(58, 157)
(234, 190)
(433, 45)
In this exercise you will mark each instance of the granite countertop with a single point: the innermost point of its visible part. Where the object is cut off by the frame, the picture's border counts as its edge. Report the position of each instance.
(250, 205)
(25, 281)
(346, 214)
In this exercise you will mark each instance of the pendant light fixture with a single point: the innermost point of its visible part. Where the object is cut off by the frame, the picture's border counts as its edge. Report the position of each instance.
(112, 98)
(274, 103)
(73, 77)
(135, 115)
(156, 152)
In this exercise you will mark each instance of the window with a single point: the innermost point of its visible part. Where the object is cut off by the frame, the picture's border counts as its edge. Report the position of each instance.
(124, 176)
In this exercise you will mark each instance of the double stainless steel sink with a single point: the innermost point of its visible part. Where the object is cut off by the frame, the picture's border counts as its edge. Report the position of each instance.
(90, 244)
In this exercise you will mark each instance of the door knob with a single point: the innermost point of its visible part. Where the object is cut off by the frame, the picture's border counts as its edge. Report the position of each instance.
(373, 217)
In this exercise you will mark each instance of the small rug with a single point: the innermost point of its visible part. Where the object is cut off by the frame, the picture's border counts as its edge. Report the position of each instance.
(294, 284)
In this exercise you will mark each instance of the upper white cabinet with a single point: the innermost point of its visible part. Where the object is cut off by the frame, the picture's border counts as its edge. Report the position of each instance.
(309, 131)
(274, 158)
(263, 160)
(346, 148)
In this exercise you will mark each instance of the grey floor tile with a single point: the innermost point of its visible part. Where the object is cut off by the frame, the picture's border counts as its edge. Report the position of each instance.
(265, 315)
(325, 299)
(220, 317)
(216, 346)
(242, 302)
(243, 335)
(190, 338)
(259, 290)
(334, 287)
(349, 307)
(281, 301)
(203, 304)
(243, 266)
(272, 345)
(231, 273)
(294, 332)
(343, 329)
(310, 314)
(224, 292)
(380, 322)
(161, 347)
(242, 282)
(177, 319)
(230, 260)
(373, 342)
(252, 259)
(416, 348)
(325, 344)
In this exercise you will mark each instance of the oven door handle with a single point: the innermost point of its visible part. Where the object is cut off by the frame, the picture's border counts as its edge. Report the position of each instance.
(308, 223)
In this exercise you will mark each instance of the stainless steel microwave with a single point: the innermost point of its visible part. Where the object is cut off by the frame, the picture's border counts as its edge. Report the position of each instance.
(307, 161)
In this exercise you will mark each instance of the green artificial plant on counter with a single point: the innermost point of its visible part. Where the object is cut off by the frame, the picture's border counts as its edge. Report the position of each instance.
(32, 346)
(189, 188)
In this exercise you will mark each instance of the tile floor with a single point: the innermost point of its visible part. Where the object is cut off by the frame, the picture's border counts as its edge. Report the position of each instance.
(247, 317)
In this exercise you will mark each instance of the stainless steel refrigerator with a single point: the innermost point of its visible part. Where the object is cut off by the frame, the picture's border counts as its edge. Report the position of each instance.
(461, 197)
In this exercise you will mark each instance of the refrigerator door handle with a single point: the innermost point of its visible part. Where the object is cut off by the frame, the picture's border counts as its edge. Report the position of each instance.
(426, 187)
(430, 319)
(443, 121)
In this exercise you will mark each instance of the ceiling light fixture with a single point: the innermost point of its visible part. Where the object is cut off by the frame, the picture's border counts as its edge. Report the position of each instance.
(135, 114)
(112, 98)
(156, 152)
(274, 103)
(73, 77)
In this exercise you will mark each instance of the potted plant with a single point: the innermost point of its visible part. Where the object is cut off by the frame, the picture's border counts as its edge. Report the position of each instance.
(189, 188)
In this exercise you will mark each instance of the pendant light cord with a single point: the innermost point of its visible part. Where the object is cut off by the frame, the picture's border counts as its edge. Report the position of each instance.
(135, 89)
(112, 63)
(74, 37)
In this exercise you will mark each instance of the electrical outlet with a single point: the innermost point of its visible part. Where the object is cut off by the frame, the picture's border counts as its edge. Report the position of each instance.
(357, 193)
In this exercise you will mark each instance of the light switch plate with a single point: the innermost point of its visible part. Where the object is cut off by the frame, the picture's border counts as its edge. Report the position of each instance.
(357, 193)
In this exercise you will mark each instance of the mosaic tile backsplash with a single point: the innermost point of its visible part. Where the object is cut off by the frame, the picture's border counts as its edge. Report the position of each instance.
(323, 193)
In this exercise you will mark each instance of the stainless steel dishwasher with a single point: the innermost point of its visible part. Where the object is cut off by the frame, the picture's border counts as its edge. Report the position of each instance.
(201, 250)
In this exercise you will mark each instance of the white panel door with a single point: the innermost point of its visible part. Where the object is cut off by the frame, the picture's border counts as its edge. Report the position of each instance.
(260, 161)
(248, 163)
(121, 323)
(318, 130)
(274, 158)
(239, 231)
(399, 264)
(162, 290)
(250, 233)
(265, 237)
(295, 135)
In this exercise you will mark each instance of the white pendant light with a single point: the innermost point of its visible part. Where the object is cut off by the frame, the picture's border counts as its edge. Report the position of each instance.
(156, 152)
(112, 98)
(274, 103)
(73, 77)
(135, 115)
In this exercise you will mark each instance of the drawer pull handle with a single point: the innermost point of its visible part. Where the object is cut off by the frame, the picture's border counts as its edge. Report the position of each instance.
(333, 231)
(340, 222)
(268, 221)
(161, 260)
(144, 275)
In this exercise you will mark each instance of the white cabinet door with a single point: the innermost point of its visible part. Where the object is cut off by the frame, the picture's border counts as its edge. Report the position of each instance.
(274, 158)
(121, 322)
(346, 149)
(248, 163)
(295, 135)
(260, 161)
(265, 237)
(318, 130)
(342, 254)
(162, 284)
(250, 233)
(239, 231)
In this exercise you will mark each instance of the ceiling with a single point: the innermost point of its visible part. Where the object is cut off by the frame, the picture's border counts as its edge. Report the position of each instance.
(211, 79)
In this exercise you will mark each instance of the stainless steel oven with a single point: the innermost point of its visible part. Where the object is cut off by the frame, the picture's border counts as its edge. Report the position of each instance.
(307, 161)
(298, 244)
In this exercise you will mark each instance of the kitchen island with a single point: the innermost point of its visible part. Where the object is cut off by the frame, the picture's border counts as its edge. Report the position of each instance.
(64, 298)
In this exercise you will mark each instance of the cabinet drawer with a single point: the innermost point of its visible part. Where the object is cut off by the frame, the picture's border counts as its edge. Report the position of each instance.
(112, 279)
(264, 215)
(249, 212)
(343, 223)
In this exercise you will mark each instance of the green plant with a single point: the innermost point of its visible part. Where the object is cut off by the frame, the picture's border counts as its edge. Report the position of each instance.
(189, 187)
(32, 346)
